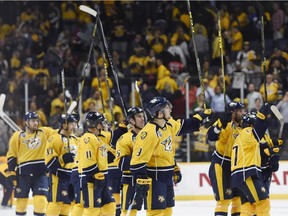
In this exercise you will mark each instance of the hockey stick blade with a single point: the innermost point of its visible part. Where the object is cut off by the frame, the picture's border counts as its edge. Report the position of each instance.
(276, 112)
(5, 117)
(71, 107)
(280, 118)
(2, 101)
(88, 10)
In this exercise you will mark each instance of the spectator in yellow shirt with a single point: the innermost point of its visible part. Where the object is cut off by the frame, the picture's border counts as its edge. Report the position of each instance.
(167, 83)
(272, 90)
(104, 88)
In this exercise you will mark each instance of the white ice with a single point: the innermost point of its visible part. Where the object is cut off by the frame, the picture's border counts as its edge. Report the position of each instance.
(187, 208)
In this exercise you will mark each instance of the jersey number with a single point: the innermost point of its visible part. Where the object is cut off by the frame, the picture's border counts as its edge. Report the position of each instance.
(235, 148)
(139, 152)
(88, 154)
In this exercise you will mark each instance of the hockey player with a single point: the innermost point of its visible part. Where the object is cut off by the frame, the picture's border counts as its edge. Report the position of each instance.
(7, 188)
(26, 165)
(224, 131)
(152, 162)
(93, 166)
(124, 148)
(60, 151)
(246, 164)
(114, 174)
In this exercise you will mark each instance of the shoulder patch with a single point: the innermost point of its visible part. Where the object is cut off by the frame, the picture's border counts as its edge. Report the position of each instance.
(143, 135)
(86, 140)
(50, 139)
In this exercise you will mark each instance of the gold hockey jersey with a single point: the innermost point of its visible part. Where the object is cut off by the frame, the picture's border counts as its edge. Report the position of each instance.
(92, 155)
(124, 149)
(154, 150)
(57, 145)
(224, 144)
(27, 151)
(246, 158)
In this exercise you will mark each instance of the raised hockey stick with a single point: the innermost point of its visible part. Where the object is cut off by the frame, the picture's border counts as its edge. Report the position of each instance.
(72, 106)
(94, 13)
(141, 101)
(110, 60)
(5, 117)
(59, 61)
(196, 53)
(217, 12)
(280, 118)
(263, 58)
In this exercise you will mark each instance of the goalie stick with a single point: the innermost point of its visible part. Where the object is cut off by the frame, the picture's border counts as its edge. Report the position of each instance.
(5, 117)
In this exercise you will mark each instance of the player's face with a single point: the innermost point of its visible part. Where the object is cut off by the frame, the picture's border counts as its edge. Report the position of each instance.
(167, 111)
(33, 124)
(72, 127)
(238, 114)
(139, 120)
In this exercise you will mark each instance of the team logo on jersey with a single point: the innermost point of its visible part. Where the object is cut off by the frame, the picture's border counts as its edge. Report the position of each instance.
(263, 189)
(228, 191)
(167, 144)
(103, 150)
(34, 144)
(50, 139)
(99, 200)
(143, 135)
(86, 140)
(159, 134)
(161, 199)
(64, 193)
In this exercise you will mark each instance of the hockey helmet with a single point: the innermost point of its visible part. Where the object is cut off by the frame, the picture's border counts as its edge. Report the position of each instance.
(232, 106)
(30, 115)
(249, 119)
(93, 118)
(131, 112)
(70, 118)
(156, 104)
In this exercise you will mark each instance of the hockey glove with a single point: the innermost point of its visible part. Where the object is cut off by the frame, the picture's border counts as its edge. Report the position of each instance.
(274, 162)
(272, 151)
(142, 186)
(265, 109)
(202, 115)
(224, 119)
(68, 157)
(99, 181)
(177, 176)
(11, 178)
(277, 142)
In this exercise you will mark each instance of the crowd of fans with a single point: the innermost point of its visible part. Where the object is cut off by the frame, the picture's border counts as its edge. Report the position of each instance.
(150, 42)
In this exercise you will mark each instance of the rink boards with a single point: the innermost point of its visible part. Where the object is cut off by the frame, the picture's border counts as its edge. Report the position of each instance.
(195, 184)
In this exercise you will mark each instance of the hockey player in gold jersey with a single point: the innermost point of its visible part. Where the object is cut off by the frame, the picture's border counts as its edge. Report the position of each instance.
(26, 165)
(246, 164)
(93, 166)
(224, 131)
(152, 162)
(60, 151)
(124, 148)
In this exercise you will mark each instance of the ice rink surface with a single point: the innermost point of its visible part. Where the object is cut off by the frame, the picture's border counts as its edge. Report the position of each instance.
(188, 208)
